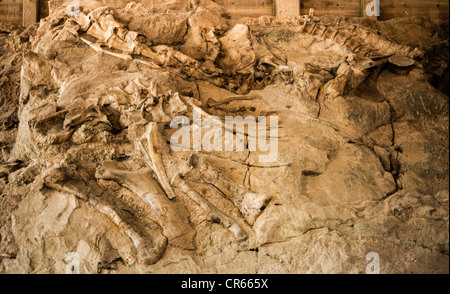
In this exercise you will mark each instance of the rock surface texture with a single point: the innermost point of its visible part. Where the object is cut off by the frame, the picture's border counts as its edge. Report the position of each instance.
(88, 177)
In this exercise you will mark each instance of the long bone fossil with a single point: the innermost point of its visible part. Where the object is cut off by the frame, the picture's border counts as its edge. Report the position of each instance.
(152, 157)
(356, 38)
(241, 230)
(97, 48)
(142, 184)
(148, 250)
(249, 203)
(101, 25)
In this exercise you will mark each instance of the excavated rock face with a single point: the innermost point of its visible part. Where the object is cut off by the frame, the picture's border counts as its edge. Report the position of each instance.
(90, 182)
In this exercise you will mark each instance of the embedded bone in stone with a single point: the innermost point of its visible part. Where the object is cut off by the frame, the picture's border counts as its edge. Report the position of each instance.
(309, 27)
(104, 24)
(342, 38)
(149, 64)
(267, 61)
(91, 114)
(147, 52)
(320, 30)
(99, 49)
(83, 20)
(400, 65)
(249, 203)
(238, 51)
(370, 62)
(101, 35)
(239, 229)
(330, 33)
(176, 105)
(158, 113)
(353, 44)
(206, 116)
(175, 226)
(128, 45)
(108, 31)
(153, 158)
(148, 250)
(169, 57)
(211, 103)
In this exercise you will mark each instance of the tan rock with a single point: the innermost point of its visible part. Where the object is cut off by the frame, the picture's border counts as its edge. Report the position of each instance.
(89, 182)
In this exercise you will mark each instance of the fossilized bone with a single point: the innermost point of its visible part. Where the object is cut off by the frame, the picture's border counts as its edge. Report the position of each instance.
(239, 228)
(355, 38)
(153, 159)
(209, 118)
(148, 251)
(213, 103)
(367, 62)
(77, 116)
(206, 116)
(99, 49)
(101, 24)
(400, 65)
(249, 203)
(175, 227)
(350, 75)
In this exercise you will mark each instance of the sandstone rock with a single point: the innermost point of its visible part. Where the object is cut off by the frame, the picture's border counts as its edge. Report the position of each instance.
(419, 100)
(422, 153)
(382, 136)
(384, 156)
(330, 188)
(239, 56)
(355, 116)
(197, 43)
(161, 28)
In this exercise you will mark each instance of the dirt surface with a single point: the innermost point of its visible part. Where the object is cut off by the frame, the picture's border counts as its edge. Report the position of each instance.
(89, 181)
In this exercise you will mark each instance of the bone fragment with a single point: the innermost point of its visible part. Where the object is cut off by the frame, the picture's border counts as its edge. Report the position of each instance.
(147, 252)
(249, 203)
(239, 228)
(153, 158)
(99, 49)
(142, 184)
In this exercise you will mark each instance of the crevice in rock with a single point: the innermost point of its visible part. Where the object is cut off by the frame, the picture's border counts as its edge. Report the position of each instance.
(308, 173)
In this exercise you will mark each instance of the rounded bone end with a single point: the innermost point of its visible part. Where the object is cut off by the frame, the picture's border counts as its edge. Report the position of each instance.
(150, 253)
(401, 65)
(176, 180)
(238, 232)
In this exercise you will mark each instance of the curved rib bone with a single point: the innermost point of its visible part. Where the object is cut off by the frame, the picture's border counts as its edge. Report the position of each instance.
(239, 228)
(99, 49)
(249, 203)
(148, 251)
(142, 184)
(153, 158)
